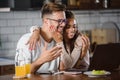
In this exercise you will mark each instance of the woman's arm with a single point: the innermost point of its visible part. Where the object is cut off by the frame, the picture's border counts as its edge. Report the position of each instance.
(81, 51)
(35, 38)
(85, 46)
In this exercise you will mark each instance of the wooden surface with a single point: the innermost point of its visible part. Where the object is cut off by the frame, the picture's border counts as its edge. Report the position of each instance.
(113, 76)
(6, 66)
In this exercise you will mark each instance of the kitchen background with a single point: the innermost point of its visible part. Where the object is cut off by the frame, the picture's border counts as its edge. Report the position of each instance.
(14, 24)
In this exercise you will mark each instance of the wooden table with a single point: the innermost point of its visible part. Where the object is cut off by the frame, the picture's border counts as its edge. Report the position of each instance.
(113, 76)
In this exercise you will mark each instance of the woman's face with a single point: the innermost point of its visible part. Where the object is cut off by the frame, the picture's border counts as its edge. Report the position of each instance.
(71, 28)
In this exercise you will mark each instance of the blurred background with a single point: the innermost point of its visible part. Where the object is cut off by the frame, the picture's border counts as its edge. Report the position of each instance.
(98, 19)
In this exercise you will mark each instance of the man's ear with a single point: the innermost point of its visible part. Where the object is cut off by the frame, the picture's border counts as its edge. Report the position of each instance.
(45, 21)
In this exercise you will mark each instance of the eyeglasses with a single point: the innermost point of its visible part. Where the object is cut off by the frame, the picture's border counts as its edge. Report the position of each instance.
(60, 21)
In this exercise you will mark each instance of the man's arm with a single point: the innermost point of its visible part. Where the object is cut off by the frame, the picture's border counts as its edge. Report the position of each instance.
(46, 56)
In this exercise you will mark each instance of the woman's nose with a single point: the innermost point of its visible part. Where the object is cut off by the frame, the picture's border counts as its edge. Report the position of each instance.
(72, 28)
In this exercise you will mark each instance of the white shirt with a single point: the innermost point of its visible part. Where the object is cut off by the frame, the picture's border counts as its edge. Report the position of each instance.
(23, 53)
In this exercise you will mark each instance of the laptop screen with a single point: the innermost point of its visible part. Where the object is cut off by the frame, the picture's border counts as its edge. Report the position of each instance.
(106, 57)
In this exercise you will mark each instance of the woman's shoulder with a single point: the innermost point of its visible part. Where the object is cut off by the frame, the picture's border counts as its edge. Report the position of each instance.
(79, 35)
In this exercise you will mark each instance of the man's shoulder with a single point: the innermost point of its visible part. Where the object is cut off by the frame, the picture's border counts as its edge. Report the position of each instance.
(24, 38)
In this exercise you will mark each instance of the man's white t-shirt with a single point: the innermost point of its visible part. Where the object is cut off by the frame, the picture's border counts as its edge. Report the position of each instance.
(23, 53)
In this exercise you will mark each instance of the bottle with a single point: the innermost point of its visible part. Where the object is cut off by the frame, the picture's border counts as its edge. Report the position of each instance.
(106, 3)
(20, 69)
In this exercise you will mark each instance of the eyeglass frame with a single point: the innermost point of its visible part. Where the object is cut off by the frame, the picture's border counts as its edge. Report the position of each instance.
(60, 21)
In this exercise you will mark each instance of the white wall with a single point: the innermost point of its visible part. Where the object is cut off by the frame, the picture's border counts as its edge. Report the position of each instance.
(14, 24)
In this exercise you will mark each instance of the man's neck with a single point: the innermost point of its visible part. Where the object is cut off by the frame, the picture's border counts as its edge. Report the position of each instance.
(45, 35)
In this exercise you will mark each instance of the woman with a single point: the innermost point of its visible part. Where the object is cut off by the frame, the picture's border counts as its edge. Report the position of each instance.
(75, 51)
(75, 45)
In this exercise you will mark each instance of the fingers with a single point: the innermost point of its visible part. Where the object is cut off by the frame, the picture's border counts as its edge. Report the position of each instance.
(30, 42)
(49, 55)
(85, 40)
(55, 48)
(33, 40)
(55, 52)
(34, 45)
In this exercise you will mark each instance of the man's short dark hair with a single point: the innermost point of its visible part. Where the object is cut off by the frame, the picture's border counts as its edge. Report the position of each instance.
(52, 7)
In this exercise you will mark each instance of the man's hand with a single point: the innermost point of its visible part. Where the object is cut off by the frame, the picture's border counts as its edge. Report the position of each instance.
(34, 39)
(49, 55)
(46, 56)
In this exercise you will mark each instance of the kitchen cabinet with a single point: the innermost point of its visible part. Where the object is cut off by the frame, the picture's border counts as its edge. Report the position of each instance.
(115, 4)
(71, 4)
(7, 69)
(91, 4)
(78, 4)
(103, 36)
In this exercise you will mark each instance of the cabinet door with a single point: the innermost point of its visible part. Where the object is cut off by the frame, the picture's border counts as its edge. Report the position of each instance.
(7, 69)
(85, 4)
(92, 4)
(78, 4)
(115, 4)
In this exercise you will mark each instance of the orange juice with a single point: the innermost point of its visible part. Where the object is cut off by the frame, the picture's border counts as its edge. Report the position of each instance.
(27, 67)
(20, 71)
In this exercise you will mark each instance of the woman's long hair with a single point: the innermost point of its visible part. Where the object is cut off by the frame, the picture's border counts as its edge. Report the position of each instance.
(72, 41)
(69, 15)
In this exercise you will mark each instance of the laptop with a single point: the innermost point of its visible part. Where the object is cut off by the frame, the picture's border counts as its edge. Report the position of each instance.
(106, 57)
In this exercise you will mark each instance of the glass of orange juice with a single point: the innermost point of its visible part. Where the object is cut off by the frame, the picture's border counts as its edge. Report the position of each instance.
(20, 69)
(28, 67)
(22, 64)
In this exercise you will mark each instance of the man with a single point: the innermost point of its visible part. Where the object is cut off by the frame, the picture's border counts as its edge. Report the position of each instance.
(45, 57)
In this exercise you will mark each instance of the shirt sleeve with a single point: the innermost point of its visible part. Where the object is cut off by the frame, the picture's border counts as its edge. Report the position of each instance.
(34, 28)
(70, 59)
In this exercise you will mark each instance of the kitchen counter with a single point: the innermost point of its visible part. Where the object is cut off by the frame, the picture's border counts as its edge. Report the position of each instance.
(6, 66)
(5, 61)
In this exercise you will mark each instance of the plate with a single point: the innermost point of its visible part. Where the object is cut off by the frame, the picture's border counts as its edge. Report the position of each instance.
(89, 73)
(71, 72)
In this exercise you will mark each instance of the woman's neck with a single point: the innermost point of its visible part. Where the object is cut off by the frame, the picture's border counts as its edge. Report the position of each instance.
(67, 42)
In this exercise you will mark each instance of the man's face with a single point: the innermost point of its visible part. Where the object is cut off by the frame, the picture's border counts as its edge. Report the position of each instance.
(57, 21)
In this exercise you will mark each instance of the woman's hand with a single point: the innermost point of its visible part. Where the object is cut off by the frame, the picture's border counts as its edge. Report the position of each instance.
(34, 39)
(57, 36)
(85, 45)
